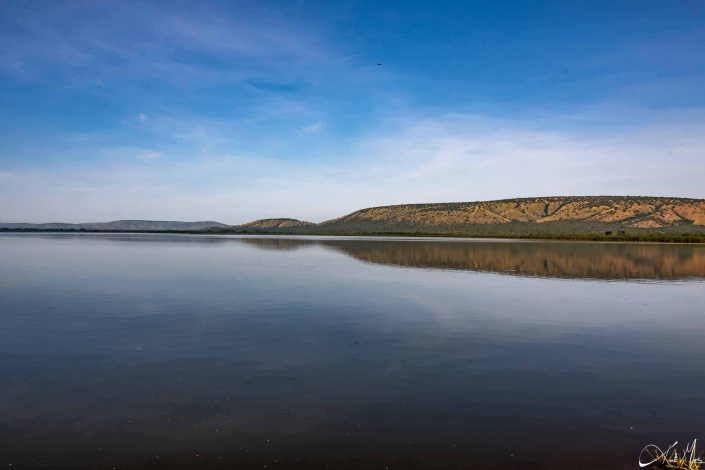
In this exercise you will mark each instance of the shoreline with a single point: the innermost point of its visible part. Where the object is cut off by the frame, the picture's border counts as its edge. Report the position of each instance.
(584, 237)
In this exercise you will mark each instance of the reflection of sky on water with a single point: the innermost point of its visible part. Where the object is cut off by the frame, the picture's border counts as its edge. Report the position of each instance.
(103, 335)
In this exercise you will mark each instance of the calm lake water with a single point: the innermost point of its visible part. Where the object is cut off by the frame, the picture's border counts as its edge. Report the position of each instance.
(159, 351)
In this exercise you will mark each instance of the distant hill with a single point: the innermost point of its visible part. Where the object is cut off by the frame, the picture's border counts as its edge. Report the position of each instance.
(264, 224)
(120, 225)
(540, 215)
(535, 217)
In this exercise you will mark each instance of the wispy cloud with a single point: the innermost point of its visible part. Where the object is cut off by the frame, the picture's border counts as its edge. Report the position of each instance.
(239, 110)
(313, 127)
(151, 155)
(442, 158)
(104, 41)
(6, 176)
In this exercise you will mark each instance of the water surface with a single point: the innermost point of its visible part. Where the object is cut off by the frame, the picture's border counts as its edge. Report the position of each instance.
(145, 351)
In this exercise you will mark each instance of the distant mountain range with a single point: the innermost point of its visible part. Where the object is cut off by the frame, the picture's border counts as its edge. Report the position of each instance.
(604, 215)
(541, 215)
(120, 225)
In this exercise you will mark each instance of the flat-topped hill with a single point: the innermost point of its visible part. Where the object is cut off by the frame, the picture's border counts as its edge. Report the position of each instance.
(641, 217)
(538, 216)
(636, 212)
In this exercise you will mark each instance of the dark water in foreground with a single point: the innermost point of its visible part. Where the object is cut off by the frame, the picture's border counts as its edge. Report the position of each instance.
(154, 351)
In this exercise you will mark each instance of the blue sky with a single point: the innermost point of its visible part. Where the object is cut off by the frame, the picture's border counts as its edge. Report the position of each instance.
(232, 111)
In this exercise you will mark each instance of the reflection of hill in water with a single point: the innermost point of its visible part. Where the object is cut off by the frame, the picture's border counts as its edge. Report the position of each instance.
(543, 259)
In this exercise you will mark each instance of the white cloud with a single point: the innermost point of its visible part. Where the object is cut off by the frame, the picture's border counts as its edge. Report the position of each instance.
(313, 127)
(6, 176)
(151, 155)
(142, 117)
(163, 43)
(446, 158)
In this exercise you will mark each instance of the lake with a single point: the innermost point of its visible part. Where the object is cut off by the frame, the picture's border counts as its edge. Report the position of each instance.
(164, 351)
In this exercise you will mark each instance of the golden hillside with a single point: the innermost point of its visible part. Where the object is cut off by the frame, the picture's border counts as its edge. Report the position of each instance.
(627, 211)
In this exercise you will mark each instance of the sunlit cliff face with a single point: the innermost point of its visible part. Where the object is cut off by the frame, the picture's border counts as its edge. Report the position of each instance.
(642, 212)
